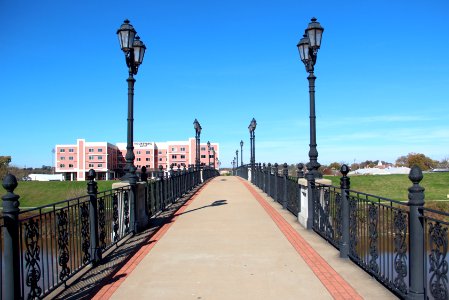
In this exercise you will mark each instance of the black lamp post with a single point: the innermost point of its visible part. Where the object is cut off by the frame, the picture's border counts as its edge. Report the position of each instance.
(252, 160)
(197, 127)
(241, 152)
(213, 155)
(134, 50)
(208, 152)
(237, 158)
(308, 49)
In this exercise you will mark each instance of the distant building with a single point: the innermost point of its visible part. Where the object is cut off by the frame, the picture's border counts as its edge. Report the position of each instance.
(74, 161)
(45, 177)
(381, 171)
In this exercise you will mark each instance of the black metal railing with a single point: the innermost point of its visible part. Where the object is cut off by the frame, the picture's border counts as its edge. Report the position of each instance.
(42, 248)
(56, 241)
(404, 245)
(242, 171)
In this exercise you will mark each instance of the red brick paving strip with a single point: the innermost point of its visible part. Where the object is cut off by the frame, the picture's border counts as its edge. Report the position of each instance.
(334, 283)
(107, 290)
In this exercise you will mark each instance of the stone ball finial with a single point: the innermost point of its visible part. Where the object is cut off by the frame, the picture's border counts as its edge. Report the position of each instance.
(9, 183)
(91, 175)
(415, 174)
(344, 169)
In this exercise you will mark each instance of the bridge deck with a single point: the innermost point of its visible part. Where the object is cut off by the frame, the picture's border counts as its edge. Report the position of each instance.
(230, 241)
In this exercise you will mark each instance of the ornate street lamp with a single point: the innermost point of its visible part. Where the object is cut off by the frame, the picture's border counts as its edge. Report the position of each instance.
(197, 127)
(134, 50)
(308, 49)
(237, 158)
(252, 128)
(208, 152)
(241, 152)
(213, 155)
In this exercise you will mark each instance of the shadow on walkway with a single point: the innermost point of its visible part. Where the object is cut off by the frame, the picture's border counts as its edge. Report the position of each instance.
(86, 286)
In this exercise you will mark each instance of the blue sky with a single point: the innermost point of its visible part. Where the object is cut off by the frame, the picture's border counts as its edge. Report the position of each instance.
(381, 89)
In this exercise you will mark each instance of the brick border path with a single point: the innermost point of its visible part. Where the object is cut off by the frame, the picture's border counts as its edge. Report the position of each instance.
(334, 283)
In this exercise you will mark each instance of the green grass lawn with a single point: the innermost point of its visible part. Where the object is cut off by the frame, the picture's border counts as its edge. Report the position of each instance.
(396, 186)
(38, 193)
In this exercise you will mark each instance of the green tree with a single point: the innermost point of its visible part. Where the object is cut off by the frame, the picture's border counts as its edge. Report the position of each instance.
(335, 166)
(416, 159)
(4, 164)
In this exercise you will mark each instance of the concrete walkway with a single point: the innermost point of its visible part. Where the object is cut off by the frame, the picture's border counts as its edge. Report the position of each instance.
(231, 241)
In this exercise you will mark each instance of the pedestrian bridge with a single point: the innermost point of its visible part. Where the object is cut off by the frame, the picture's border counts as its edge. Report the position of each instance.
(189, 234)
(226, 240)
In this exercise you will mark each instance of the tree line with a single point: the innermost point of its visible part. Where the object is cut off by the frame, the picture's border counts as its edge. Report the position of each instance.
(6, 168)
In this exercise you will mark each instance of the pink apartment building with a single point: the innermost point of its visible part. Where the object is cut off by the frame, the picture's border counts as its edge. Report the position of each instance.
(108, 160)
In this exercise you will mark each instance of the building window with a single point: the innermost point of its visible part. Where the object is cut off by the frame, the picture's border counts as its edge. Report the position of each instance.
(203, 148)
(203, 156)
(173, 149)
(211, 156)
(70, 166)
(91, 165)
(91, 157)
(174, 157)
(138, 166)
(212, 148)
(62, 166)
(100, 150)
(100, 157)
(183, 149)
(160, 152)
(138, 152)
(91, 149)
(62, 158)
(160, 159)
(148, 166)
(71, 150)
(138, 159)
(148, 152)
(147, 159)
(100, 165)
(61, 150)
(183, 156)
(70, 157)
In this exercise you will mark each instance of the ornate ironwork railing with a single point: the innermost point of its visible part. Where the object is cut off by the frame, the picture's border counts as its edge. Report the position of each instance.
(378, 238)
(436, 226)
(293, 195)
(42, 248)
(404, 245)
(55, 240)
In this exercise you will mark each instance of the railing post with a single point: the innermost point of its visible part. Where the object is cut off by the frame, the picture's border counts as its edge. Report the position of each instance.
(269, 170)
(11, 253)
(143, 174)
(92, 190)
(170, 184)
(300, 170)
(275, 193)
(310, 196)
(299, 174)
(161, 187)
(345, 184)
(264, 177)
(285, 175)
(416, 264)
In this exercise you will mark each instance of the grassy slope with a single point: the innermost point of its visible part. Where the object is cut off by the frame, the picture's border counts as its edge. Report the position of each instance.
(395, 186)
(36, 193)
